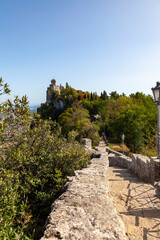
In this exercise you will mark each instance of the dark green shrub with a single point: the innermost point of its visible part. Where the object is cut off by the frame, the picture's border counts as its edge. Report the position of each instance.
(34, 171)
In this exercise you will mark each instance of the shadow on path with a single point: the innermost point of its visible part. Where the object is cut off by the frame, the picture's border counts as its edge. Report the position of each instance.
(137, 202)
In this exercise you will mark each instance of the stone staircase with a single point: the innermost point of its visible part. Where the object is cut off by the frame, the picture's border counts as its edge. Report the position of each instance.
(102, 146)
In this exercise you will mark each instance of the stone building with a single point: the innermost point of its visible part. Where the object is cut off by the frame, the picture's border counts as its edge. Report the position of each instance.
(52, 87)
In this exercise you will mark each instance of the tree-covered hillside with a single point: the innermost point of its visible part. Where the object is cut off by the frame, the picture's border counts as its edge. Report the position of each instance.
(134, 116)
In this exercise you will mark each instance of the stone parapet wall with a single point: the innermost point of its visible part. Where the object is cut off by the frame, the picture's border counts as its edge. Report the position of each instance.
(120, 161)
(145, 168)
(85, 211)
(87, 143)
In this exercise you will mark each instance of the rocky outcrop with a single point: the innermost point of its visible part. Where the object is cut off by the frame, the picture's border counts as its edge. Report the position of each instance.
(85, 211)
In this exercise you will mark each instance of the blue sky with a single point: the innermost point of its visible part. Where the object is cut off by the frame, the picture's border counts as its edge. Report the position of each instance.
(94, 45)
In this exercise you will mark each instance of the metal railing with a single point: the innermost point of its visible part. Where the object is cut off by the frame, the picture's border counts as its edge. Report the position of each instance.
(105, 138)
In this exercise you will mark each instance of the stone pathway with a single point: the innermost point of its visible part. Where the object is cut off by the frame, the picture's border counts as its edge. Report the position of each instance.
(102, 146)
(137, 203)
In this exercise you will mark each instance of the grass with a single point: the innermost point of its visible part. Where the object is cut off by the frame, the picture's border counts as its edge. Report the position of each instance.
(149, 152)
(146, 151)
(119, 147)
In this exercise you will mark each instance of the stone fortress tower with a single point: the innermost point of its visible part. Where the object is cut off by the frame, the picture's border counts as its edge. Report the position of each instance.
(52, 87)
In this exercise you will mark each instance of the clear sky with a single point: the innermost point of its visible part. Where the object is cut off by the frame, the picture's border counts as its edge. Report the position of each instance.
(94, 45)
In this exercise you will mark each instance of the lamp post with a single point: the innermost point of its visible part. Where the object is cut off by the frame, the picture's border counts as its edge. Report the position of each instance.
(123, 136)
(104, 125)
(156, 94)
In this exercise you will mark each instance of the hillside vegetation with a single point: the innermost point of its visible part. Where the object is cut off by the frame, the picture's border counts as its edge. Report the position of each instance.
(38, 152)
(135, 116)
(35, 160)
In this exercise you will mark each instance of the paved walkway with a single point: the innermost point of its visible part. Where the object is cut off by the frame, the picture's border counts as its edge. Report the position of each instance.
(137, 203)
(102, 146)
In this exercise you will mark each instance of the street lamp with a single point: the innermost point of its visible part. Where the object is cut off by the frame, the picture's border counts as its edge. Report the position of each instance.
(104, 125)
(123, 136)
(156, 94)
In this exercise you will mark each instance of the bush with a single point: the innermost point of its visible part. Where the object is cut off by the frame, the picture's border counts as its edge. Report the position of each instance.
(77, 119)
(33, 172)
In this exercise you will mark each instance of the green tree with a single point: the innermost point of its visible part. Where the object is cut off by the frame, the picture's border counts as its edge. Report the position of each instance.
(34, 171)
(67, 86)
(34, 164)
(104, 95)
(17, 118)
(4, 89)
(114, 95)
(77, 119)
(135, 117)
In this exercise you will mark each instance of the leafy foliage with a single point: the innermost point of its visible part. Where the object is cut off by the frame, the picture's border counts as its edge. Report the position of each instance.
(4, 88)
(77, 119)
(39, 163)
(134, 116)
(35, 160)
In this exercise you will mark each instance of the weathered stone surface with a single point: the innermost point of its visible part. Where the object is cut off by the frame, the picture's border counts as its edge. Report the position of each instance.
(121, 161)
(109, 150)
(155, 169)
(85, 211)
(146, 169)
(141, 166)
(87, 143)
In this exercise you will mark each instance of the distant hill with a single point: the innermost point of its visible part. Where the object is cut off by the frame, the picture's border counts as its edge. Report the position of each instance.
(33, 108)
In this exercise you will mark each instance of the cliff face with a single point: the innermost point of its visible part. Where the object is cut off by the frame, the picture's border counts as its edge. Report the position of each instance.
(85, 210)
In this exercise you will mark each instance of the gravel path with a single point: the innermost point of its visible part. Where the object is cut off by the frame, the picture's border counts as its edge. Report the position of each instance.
(137, 203)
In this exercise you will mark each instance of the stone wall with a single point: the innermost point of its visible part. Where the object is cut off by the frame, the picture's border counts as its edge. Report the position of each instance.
(87, 143)
(109, 150)
(143, 167)
(85, 211)
(146, 169)
(120, 161)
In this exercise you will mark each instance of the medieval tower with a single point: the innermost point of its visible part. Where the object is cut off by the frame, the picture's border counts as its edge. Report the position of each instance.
(52, 87)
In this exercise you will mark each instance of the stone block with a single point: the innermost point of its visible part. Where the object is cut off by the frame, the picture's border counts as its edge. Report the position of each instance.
(120, 161)
(155, 169)
(141, 165)
(87, 143)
